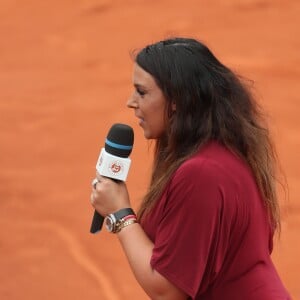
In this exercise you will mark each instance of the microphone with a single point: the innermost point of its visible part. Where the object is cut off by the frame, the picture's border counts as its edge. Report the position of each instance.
(114, 161)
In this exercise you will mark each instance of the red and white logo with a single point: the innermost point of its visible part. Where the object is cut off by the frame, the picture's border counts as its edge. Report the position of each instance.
(116, 167)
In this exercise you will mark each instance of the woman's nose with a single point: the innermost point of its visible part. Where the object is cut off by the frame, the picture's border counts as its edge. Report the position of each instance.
(131, 102)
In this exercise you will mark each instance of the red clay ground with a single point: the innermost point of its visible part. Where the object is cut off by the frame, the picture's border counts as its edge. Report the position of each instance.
(65, 76)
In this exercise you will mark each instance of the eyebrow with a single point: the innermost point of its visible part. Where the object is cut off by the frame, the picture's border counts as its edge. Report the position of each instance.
(139, 85)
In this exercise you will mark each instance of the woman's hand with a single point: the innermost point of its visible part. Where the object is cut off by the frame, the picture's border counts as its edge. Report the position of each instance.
(109, 196)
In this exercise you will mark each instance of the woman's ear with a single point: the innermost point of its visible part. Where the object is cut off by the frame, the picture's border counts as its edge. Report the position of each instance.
(171, 109)
(173, 106)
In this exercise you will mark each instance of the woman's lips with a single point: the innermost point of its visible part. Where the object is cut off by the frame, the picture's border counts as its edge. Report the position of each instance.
(141, 121)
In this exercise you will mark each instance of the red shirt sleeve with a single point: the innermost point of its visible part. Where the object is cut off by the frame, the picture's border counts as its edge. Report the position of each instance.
(192, 235)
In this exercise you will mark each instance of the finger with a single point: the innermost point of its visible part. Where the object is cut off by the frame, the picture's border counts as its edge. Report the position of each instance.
(92, 199)
(99, 176)
(94, 183)
(104, 180)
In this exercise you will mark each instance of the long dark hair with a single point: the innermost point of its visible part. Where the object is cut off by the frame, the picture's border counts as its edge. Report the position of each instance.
(212, 103)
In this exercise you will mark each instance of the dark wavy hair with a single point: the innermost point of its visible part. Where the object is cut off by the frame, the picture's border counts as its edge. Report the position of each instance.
(212, 103)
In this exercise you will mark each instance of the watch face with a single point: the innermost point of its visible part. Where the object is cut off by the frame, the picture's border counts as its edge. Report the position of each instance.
(110, 223)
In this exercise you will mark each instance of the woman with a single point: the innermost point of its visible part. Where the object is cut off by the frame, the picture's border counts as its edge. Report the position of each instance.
(204, 229)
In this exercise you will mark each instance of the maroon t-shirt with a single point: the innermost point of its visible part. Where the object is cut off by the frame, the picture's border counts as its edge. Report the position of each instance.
(210, 229)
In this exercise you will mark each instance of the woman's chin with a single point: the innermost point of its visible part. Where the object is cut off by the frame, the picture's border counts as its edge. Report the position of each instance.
(148, 135)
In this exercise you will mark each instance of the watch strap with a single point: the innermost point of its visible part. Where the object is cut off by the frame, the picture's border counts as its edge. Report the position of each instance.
(120, 214)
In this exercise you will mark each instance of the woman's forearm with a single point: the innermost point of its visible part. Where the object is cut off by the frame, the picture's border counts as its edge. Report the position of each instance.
(138, 249)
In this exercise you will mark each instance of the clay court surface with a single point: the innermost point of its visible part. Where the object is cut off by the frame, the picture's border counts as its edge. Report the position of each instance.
(65, 75)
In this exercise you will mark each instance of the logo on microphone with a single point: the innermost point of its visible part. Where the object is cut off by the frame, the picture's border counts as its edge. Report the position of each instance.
(116, 167)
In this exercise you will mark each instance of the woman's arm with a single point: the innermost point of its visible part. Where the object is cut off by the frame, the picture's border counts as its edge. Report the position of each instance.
(138, 249)
(109, 197)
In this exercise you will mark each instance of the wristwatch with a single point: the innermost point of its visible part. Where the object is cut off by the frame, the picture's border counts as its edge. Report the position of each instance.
(116, 221)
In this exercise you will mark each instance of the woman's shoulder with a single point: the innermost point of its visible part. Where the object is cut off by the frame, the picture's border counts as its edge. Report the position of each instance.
(212, 156)
(212, 162)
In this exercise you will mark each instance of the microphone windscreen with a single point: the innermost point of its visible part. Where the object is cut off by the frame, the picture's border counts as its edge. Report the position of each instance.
(119, 141)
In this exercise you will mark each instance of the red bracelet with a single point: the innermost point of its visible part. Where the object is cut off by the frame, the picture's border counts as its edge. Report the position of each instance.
(129, 217)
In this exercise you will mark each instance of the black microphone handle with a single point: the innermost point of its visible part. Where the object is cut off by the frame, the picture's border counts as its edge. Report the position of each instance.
(97, 222)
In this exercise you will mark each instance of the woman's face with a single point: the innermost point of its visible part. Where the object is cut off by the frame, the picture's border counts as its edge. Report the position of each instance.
(148, 103)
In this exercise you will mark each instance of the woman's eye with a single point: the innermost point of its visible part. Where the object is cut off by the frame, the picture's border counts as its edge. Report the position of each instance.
(140, 92)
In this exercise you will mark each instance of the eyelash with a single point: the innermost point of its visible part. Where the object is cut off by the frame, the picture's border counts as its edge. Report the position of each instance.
(140, 92)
